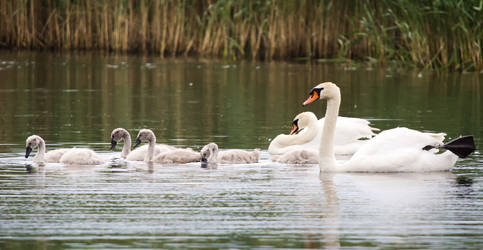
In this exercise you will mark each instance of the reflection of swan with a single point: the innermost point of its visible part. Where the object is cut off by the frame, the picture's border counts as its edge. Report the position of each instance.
(385, 204)
(393, 150)
(120, 134)
(77, 156)
(210, 154)
(348, 133)
(400, 198)
(331, 212)
(36, 141)
(179, 155)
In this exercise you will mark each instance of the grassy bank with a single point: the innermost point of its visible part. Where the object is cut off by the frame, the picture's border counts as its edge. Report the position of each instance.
(445, 34)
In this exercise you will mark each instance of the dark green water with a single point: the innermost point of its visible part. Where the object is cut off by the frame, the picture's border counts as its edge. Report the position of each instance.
(77, 99)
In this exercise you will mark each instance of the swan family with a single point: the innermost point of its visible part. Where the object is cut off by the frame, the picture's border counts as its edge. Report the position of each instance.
(311, 141)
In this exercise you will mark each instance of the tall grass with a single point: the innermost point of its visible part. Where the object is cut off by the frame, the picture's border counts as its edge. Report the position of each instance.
(440, 34)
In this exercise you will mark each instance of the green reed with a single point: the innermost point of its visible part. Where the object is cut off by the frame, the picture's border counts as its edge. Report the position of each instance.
(441, 34)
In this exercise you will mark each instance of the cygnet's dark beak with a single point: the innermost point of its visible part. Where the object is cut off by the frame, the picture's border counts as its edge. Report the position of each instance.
(113, 144)
(27, 152)
(138, 141)
(204, 160)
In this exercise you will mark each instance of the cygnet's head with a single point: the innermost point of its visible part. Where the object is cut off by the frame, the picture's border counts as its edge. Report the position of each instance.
(209, 153)
(302, 121)
(32, 142)
(145, 135)
(117, 135)
(326, 90)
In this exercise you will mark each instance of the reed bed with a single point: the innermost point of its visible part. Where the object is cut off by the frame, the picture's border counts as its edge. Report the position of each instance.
(443, 34)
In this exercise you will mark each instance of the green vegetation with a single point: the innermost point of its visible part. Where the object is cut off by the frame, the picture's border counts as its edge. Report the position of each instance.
(439, 34)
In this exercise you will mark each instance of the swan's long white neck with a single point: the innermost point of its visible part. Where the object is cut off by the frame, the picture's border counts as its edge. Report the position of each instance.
(39, 157)
(326, 150)
(303, 137)
(152, 144)
(126, 149)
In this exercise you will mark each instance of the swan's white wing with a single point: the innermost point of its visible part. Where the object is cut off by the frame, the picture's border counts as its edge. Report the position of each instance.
(400, 149)
(348, 132)
(407, 160)
(399, 139)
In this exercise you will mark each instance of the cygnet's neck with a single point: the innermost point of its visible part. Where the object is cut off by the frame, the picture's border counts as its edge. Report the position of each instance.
(213, 157)
(326, 151)
(152, 144)
(39, 157)
(126, 149)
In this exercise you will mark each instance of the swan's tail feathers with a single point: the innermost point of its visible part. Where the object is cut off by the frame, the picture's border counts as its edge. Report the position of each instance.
(462, 147)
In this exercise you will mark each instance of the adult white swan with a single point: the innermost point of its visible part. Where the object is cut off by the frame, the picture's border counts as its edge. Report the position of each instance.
(394, 150)
(348, 134)
(178, 155)
(73, 156)
(138, 154)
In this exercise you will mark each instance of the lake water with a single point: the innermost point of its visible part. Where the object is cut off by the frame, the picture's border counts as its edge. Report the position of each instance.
(76, 99)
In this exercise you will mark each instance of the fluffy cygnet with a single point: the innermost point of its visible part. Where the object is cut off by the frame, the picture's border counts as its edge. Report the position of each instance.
(74, 156)
(35, 141)
(210, 154)
(297, 156)
(178, 155)
(138, 154)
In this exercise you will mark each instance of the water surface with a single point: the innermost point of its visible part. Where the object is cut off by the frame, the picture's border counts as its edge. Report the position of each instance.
(77, 99)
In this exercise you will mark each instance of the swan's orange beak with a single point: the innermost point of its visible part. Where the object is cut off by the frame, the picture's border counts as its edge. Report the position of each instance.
(313, 97)
(295, 128)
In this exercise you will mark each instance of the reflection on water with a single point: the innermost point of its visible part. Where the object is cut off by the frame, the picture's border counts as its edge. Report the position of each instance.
(261, 204)
(77, 99)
